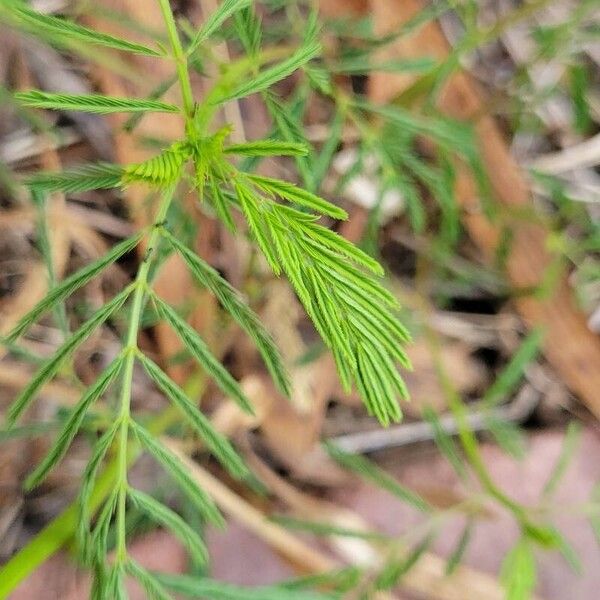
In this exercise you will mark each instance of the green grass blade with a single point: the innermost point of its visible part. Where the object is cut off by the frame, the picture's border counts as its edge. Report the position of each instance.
(73, 423)
(91, 103)
(73, 283)
(50, 367)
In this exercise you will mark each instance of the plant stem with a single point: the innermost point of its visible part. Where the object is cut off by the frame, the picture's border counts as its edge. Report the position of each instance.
(181, 62)
(131, 349)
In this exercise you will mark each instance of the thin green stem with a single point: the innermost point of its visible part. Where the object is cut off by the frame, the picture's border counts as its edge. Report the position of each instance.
(131, 349)
(181, 62)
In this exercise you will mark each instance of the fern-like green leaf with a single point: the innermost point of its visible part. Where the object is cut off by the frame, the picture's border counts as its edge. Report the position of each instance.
(226, 9)
(293, 193)
(87, 485)
(165, 516)
(50, 367)
(267, 148)
(164, 169)
(178, 471)
(201, 352)
(237, 308)
(100, 176)
(348, 306)
(276, 73)
(147, 580)
(91, 103)
(202, 587)
(71, 284)
(73, 423)
(365, 468)
(221, 203)
(215, 442)
(39, 24)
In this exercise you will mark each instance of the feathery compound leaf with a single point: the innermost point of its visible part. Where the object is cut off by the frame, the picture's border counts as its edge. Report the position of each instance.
(87, 485)
(163, 169)
(238, 309)
(216, 443)
(346, 305)
(201, 352)
(40, 24)
(276, 73)
(365, 468)
(215, 20)
(221, 203)
(268, 148)
(73, 423)
(165, 516)
(100, 176)
(72, 283)
(202, 587)
(290, 192)
(92, 103)
(258, 226)
(178, 471)
(148, 581)
(50, 367)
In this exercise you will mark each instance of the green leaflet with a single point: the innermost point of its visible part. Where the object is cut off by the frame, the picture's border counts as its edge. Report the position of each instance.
(203, 587)
(165, 516)
(73, 423)
(395, 569)
(148, 581)
(71, 284)
(216, 443)
(164, 169)
(51, 366)
(272, 75)
(267, 148)
(445, 443)
(92, 103)
(99, 176)
(459, 551)
(225, 10)
(178, 471)
(198, 348)
(87, 484)
(39, 24)
(365, 468)
(290, 192)
(238, 309)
